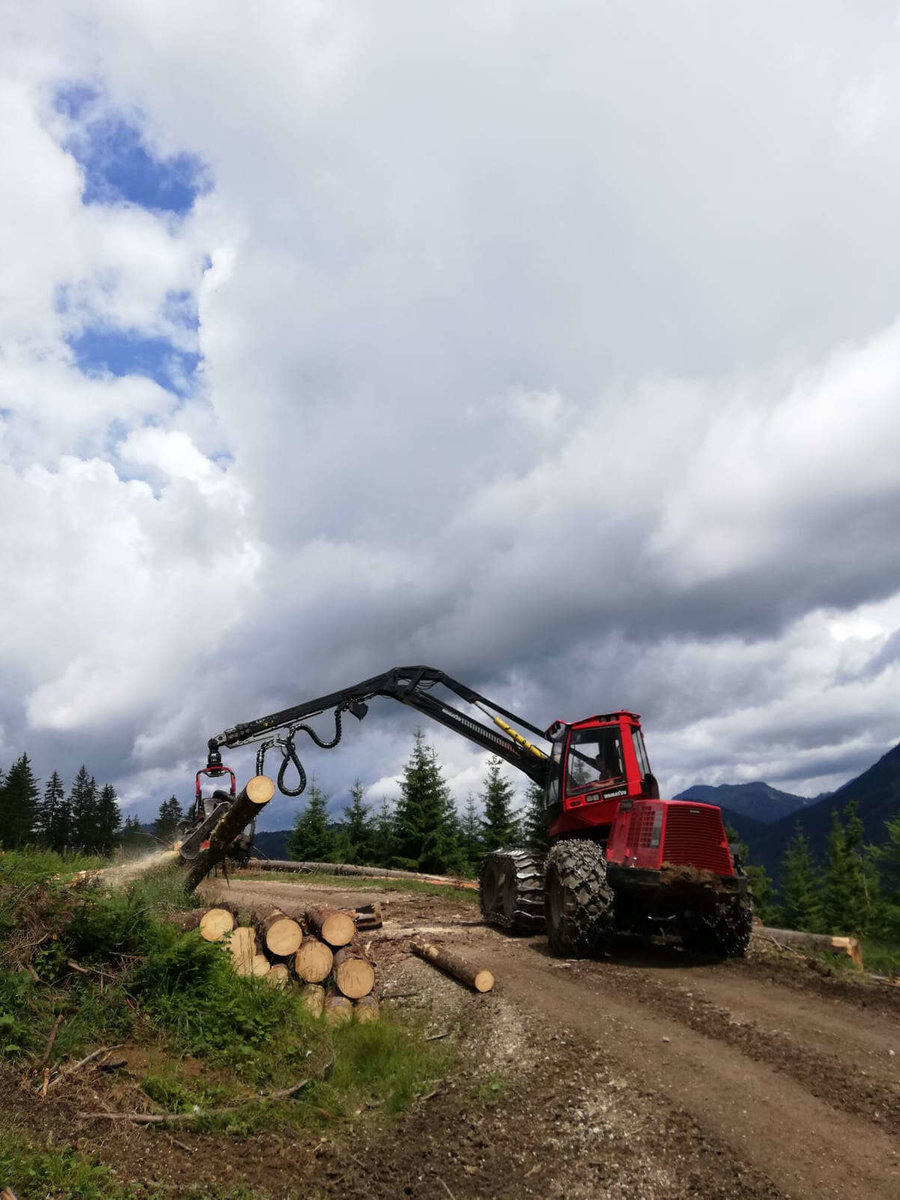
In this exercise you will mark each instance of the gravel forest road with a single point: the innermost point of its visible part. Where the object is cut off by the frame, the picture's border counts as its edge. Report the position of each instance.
(754, 1078)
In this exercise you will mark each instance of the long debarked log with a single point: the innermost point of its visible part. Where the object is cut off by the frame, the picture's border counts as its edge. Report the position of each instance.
(478, 978)
(798, 939)
(319, 868)
(247, 805)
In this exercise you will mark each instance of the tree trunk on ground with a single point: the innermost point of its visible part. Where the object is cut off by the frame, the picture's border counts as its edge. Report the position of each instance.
(798, 939)
(281, 934)
(319, 868)
(313, 960)
(354, 975)
(333, 926)
(366, 1009)
(474, 977)
(248, 804)
(260, 965)
(184, 921)
(313, 998)
(338, 1009)
(368, 916)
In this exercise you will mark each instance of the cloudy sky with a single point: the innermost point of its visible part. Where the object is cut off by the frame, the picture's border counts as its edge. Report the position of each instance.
(553, 344)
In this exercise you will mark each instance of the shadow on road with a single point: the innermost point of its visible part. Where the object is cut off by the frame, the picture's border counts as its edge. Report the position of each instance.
(641, 953)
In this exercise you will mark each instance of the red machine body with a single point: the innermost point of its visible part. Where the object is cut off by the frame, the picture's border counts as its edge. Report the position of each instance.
(601, 786)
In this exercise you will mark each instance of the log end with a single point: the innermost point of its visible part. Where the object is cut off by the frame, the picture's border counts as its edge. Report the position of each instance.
(260, 789)
(483, 981)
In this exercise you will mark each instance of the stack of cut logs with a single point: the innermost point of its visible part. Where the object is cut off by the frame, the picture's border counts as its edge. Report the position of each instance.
(318, 948)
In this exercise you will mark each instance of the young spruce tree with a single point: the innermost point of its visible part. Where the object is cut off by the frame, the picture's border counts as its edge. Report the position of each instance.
(500, 829)
(887, 862)
(762, 890)
(19, 798)
(357, 826)
(801, 906)
(471, 843)
(168, 820)
(55, 816)
(83, 800)
(108, 820)
(848, 882)
(534, 824)
(425, 826)
(311, 840)
(382, 845)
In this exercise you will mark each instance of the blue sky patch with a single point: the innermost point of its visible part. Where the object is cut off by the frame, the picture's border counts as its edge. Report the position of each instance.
(121, 353)
(117, 164)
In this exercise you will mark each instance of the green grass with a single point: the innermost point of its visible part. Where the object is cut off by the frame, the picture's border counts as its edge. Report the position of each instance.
(63, 1173)
(18, 868)
(357, 882)
(139, 981)
(33, 1173)
(491, 1089)
(880, 957)
(215, 1039)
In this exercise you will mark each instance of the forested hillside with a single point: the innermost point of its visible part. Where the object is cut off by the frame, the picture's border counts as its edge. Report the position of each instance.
(875, 794)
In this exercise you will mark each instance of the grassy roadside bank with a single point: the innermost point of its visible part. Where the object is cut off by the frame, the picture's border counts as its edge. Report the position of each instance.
(81, 970)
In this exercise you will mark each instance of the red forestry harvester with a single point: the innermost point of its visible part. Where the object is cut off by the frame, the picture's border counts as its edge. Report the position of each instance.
(620, 858)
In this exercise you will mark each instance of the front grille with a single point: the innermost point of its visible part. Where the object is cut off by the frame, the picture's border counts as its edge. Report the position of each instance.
(695, 836)
(640, 827)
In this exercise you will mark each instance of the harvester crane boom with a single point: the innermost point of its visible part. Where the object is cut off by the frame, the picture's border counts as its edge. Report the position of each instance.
(620, 857)
(412, 686)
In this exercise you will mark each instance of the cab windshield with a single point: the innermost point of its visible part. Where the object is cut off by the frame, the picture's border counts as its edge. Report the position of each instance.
(595, 758)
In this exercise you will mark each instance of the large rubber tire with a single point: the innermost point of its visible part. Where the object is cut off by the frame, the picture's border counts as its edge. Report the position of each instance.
(511, 890)
(578, 901)
(722, 931)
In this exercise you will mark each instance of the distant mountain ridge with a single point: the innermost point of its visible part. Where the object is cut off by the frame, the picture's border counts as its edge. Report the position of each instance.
(876, 793)
(758, 801)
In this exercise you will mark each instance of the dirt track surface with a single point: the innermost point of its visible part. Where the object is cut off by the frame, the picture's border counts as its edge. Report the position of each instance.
(649, 1074)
